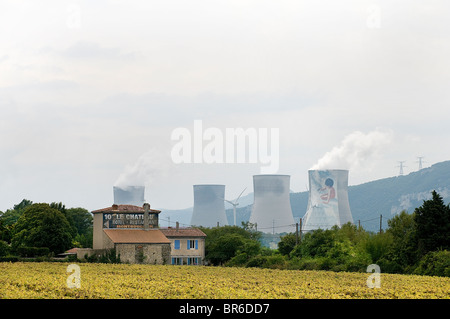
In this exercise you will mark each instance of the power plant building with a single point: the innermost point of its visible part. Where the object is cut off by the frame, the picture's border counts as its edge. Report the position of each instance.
(271, 211)
(209, 206)
(328, 203)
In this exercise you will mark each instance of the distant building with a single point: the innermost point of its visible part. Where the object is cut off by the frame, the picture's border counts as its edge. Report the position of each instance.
(134, 233)
(187, 245)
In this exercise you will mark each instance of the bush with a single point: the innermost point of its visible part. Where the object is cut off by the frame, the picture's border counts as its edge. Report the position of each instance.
(435, 263)
(305, 263)
(238, 260)
(9, 259)
(108, 257)
(257, 261)
(274, 262)
(390, 266)
(358, 263)
(377, 245)
(4, 248)
(33, 251)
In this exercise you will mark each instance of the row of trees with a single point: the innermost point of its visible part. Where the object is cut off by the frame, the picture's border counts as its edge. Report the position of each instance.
(52, 226)
(413, 243)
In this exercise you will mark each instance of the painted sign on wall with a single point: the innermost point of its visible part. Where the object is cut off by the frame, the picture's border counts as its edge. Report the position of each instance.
(129, 220)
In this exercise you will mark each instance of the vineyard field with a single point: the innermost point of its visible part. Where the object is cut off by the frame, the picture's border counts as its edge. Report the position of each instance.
(105, 281)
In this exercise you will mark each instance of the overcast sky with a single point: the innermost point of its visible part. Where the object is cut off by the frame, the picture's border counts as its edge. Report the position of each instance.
(92, 90)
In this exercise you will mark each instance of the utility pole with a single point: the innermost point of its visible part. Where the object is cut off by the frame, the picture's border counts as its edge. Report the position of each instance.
(273, 226)
(300, 230)
(381, 221)
(296, 233)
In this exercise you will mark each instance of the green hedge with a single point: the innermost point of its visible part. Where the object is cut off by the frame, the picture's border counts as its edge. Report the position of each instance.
(435, 263)
(9, 259)
(32, 251)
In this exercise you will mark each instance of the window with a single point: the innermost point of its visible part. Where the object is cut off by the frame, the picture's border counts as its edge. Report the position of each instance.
(177, 244)
(192, 244)
(177, 261)
(192, 261)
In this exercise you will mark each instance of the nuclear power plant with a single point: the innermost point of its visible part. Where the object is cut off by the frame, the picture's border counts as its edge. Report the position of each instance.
(129, 195)
(271, 209)
(209, 206)
(328, 203)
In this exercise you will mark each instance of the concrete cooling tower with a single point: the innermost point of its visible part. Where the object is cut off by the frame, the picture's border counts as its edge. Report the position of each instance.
(271, 209)
(209, 206)
(328, 200)
(129, 195)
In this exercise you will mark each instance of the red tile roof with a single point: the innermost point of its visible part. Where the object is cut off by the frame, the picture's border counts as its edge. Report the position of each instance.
(124, 209)
(136, 236)
(182, 232)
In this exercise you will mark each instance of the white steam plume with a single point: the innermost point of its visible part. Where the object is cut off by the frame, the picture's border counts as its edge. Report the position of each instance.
(149, 167)
(355, 149)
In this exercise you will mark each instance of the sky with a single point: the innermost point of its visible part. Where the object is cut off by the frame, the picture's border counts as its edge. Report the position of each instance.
(92, 91)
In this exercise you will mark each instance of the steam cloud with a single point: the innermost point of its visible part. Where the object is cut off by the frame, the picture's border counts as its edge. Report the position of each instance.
(354, 150)
(148, 167)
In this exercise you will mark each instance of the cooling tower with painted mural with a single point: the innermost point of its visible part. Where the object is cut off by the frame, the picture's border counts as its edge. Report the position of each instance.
(209, 206)
(271, 209)
(328, 203)
(129, 195)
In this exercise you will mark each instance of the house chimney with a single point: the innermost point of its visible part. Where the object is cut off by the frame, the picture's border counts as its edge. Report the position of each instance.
(146, 211)
(115, 207)
(178, 226)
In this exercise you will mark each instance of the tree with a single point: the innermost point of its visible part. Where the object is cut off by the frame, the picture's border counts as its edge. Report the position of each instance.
(224, 248)
(433, 224)
(81, 219)
(402, 228)
(223, 243)
(11, 216)
(42, 226)
(315, 244)
(286, 244)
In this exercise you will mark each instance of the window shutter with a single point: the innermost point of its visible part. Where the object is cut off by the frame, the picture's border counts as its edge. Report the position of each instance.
(177, 244)
(196, 244)
(188, 244)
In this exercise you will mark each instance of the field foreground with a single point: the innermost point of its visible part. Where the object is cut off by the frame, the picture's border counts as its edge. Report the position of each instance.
(49, 280)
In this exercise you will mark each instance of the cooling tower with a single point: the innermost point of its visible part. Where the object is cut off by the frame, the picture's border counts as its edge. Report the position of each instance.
(328, 200)
(271, 209)
(209, 206)
(129, 195)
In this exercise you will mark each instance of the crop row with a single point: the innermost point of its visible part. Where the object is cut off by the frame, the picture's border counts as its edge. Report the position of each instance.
(49, 280)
